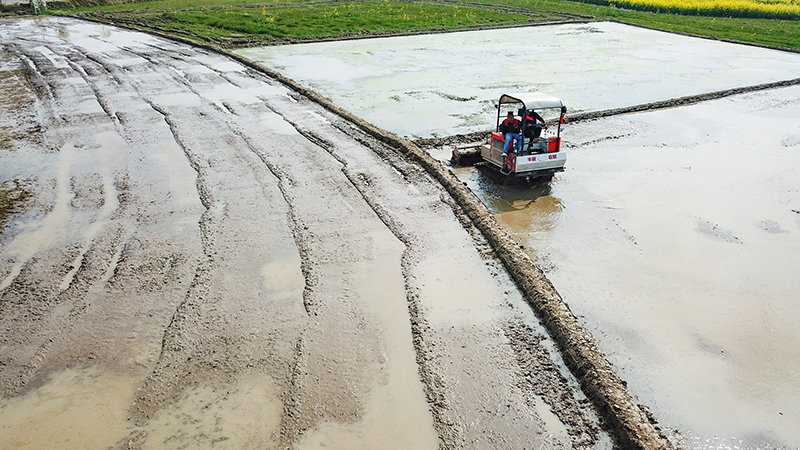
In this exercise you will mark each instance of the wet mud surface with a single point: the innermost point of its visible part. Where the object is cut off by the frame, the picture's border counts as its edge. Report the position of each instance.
(208, 259)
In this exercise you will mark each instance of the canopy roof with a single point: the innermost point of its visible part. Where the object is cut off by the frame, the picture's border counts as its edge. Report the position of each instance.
(532, 100)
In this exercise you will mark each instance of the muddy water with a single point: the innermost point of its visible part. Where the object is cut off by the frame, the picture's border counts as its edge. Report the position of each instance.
(673, 235)
(678, 247)
(422, 86)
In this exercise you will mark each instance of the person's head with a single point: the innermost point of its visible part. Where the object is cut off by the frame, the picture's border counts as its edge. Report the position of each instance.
(510, 115)
(521, 111)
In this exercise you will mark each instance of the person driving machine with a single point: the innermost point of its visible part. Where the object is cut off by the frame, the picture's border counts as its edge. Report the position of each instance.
(531, 129)
(510, 127)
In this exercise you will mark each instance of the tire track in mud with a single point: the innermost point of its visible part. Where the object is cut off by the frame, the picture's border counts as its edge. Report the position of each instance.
(291, 429)
(173, 341)
(284, 184)
(88, 272)
(294, 423)
(52, 309)
(628, 423)
(55, 308)
(296, 420)
(299, 229)
(180, 337)
(547, 383)
(447, 430)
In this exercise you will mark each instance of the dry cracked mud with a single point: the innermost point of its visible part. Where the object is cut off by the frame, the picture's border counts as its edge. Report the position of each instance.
(206, 258)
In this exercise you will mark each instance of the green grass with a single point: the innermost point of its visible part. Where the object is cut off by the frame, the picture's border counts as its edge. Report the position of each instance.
(342, 19)
(237, 26)
(230, 23)
(770, 32)
(163, 4)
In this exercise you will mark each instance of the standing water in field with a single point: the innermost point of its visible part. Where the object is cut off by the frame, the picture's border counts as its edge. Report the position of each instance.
(446, 84)
(679, 251)
(673, 235)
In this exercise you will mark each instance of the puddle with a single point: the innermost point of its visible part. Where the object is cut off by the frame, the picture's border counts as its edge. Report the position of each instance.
(415, 86)
(24, 246)
(396, 414)
(75, 409)
(244, 415)
(69, 166)
(88, 408)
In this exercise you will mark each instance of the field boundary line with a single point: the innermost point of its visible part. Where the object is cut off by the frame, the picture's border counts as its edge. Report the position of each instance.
(681, 101)
(603, 113)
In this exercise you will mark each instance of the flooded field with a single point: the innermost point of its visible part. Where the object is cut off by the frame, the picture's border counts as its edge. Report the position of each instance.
(674, 235)
(678, 248)
(423, 86)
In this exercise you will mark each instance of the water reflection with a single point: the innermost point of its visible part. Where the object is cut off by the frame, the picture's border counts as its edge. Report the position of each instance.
(525, 208)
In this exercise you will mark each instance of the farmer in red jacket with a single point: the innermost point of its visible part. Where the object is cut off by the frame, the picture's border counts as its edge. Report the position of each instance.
(510, 128)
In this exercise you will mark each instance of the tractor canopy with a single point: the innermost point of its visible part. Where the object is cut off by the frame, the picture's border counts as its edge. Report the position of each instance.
(532, 100)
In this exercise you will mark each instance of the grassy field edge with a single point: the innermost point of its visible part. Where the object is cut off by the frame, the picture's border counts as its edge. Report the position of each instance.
(155, 15)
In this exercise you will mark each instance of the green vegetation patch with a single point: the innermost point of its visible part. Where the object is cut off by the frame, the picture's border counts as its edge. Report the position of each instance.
(12, 197)
(75, 6)
(264, 24)
(344, 18)
(774, 33)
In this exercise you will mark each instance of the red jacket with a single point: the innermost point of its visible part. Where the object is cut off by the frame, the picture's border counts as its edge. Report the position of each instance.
(509, 126)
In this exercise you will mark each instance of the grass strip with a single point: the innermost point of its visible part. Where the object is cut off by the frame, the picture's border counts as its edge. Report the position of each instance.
(78, 6)
(247, 26)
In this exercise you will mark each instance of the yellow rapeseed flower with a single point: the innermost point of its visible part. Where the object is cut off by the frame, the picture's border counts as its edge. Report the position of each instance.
(747, 8)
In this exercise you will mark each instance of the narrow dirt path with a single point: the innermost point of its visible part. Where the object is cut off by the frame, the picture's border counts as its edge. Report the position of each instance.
(232, 264)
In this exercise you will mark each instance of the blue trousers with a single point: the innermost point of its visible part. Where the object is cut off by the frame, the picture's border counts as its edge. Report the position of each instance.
(509, 137)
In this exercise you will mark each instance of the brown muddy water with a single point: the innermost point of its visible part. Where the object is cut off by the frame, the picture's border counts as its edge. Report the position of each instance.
(674, 235)
(206, 259)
